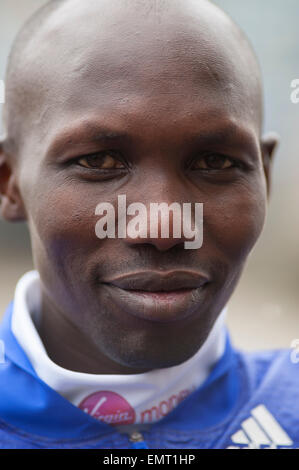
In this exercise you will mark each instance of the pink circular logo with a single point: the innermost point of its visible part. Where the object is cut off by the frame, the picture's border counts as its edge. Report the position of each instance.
(109, 407)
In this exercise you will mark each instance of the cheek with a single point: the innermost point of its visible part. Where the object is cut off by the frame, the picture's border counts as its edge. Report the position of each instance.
(62, 225)
(234, 221)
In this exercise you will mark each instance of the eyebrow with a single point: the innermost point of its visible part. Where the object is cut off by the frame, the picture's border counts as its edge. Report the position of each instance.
(227, 134)
(84, 134)
(224, 134)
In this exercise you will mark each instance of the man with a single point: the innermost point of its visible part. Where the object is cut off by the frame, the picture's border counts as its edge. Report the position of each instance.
(120, 342)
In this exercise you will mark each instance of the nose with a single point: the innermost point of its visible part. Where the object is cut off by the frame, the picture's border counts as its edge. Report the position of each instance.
(159, 243)
(165, 215)
(156, 225)
(159, 224)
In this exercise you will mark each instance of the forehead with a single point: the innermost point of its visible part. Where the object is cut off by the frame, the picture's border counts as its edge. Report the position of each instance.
(120, 65)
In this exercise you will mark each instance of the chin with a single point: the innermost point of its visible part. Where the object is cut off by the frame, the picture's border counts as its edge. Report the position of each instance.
(155, 357)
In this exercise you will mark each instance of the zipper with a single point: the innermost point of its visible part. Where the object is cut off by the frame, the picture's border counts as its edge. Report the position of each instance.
(138, 441)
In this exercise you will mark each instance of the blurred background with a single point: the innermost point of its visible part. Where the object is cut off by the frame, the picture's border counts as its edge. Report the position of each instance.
(263, 312)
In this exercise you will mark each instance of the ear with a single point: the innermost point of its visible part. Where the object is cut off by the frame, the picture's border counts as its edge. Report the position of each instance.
(11, 204)
(269, 143)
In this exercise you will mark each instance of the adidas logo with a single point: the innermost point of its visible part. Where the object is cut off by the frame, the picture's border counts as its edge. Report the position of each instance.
(260, 431)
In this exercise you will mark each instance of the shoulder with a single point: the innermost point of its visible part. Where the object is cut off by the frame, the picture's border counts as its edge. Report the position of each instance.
(273, 364)
(273, 371)
(268, 412)
(11, 438)
(272, 381)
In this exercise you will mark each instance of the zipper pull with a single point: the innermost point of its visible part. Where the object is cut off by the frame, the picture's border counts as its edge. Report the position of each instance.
(137, 441)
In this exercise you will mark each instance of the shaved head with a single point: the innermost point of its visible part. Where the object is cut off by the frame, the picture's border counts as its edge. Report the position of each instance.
(194, 30)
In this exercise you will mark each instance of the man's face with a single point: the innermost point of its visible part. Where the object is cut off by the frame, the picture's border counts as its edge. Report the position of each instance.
(130, 117)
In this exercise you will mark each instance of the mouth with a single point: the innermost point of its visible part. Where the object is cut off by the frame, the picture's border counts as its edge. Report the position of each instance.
(158, 297)
(153, 281)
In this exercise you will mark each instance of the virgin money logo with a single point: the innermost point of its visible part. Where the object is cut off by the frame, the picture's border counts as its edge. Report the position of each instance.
(109, 407)
(157, 412)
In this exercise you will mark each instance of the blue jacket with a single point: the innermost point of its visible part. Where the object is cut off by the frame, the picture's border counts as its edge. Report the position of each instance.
(250, 399)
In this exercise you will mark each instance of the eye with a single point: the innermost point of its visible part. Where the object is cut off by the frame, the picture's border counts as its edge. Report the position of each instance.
(106, 160)
(214, 162)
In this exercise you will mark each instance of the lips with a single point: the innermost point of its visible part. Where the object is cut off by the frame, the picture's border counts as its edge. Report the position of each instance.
(151, 281)
(156, 296)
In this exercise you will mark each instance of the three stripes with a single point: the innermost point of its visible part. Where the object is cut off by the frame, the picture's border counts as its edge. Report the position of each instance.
(260, 429)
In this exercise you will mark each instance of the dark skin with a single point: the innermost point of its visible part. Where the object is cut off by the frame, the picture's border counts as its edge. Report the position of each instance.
(174, 116)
